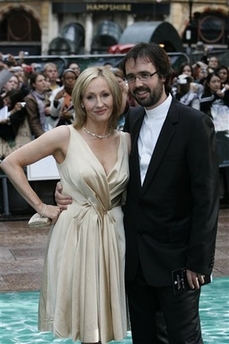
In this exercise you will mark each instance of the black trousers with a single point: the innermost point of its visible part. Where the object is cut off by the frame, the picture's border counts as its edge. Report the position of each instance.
(181, 313)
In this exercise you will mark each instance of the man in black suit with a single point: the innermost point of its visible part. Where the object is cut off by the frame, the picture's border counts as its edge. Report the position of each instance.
(172, 202)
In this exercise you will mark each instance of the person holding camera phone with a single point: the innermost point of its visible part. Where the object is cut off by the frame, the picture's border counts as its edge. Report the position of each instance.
(15, 115)
(61, 106)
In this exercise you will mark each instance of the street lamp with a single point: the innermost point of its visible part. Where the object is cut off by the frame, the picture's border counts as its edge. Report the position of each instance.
(190, 2)
(189, 28)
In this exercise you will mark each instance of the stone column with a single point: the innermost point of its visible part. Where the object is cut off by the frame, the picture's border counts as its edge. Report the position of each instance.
(130, 20)
(88, 33)
(44, 13)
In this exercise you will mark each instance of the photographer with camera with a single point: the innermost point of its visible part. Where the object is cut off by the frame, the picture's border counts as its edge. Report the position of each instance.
(7, 60)
(12, 115)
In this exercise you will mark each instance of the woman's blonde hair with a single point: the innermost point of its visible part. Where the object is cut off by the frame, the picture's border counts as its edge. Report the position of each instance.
(80, 87)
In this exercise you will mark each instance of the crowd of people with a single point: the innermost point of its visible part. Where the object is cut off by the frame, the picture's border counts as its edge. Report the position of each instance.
(44, 97)
(201, 86)
(135, 147)
(47, 95)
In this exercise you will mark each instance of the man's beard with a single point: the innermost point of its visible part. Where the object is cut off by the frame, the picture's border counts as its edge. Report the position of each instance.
(152, 99)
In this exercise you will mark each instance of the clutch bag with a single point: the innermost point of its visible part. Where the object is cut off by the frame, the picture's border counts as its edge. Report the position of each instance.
(37, 221)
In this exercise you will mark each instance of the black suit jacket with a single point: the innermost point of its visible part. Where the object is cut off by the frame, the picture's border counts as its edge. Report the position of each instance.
(171, 220)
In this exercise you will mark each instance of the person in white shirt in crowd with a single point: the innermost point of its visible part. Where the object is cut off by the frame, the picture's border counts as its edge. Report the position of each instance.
(185, 93)
(213, 96)
(188, 69)
(61, 107)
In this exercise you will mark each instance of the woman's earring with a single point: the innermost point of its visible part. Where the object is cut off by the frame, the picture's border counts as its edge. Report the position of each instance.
(82, 106)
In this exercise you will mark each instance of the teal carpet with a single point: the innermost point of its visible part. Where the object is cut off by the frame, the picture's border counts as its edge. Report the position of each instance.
(18, 314)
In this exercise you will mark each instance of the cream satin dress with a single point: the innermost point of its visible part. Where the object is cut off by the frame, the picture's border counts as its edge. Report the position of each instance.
(83, 293)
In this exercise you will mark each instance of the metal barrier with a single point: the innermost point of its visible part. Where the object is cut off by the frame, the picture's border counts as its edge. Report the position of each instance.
(5, 194)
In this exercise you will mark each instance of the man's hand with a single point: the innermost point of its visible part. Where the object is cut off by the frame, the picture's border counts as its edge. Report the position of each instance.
(195, 280)
(61, 200)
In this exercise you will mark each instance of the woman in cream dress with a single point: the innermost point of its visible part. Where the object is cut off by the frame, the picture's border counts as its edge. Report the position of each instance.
(83, 294)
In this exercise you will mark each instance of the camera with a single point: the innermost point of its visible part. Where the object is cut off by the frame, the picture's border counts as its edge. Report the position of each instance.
(16, 69)
(5, 58)
(37, 67)
(28, 69)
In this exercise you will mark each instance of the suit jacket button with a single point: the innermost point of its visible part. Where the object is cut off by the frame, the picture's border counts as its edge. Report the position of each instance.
(141, 204)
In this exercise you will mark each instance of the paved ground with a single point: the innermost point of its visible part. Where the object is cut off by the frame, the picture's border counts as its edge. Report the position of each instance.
(22, 253)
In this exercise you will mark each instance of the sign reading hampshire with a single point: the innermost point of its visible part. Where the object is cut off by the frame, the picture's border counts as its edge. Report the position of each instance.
(109, 7)
(103, 7)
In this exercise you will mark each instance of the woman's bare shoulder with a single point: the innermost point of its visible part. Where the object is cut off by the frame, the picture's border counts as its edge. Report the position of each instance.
(62, 132)
(54, 139)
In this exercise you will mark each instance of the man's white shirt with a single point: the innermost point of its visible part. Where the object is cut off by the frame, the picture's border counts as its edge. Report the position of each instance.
(149, 133)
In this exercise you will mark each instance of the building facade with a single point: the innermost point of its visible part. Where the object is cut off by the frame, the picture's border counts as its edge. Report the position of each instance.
(83, 27)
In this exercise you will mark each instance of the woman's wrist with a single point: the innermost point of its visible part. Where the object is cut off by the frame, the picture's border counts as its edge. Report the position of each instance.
(43, 210)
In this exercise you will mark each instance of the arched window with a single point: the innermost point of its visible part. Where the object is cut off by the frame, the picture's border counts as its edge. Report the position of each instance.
(106, 35)
(20, 26)
(210, 27)
(19, 30)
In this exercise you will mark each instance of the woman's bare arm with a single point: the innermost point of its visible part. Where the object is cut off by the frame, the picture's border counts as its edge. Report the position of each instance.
(14, 164)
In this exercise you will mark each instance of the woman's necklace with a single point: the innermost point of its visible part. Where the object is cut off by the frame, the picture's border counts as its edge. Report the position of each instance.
(96, 135)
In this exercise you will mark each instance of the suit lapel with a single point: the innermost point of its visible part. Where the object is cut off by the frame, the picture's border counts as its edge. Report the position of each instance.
(135, 168)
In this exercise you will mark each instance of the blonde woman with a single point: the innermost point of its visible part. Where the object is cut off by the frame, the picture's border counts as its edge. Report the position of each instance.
(83, 294)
